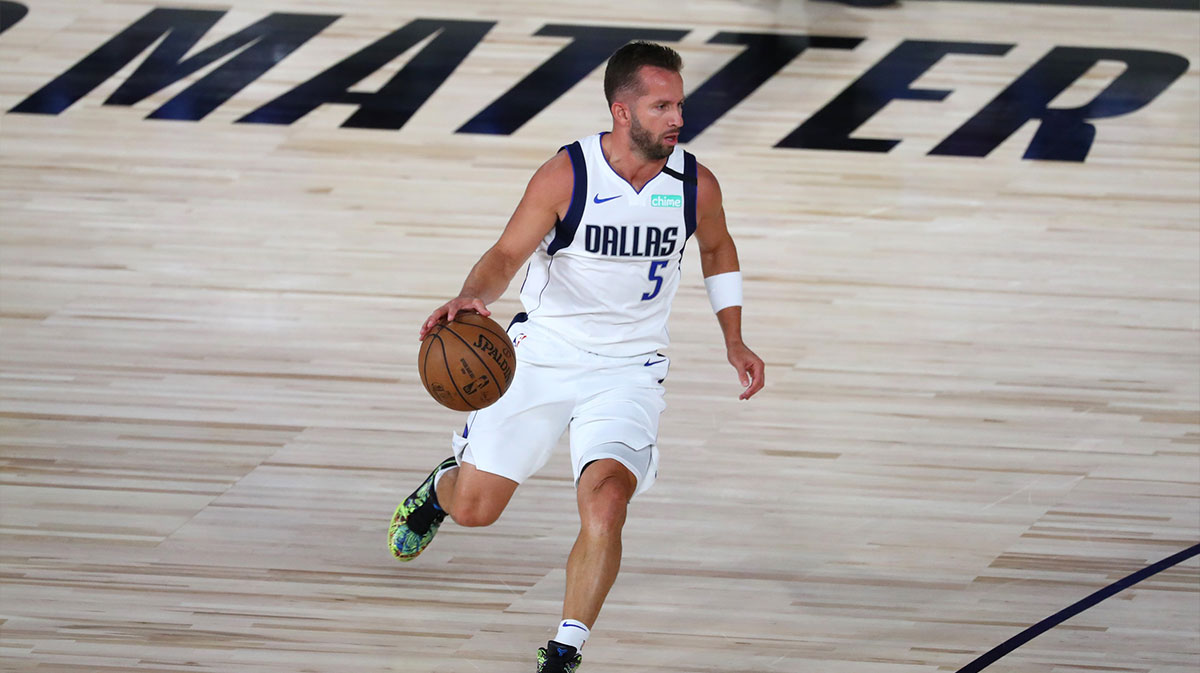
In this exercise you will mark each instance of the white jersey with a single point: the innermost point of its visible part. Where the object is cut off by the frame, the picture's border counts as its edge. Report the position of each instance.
(605, 276)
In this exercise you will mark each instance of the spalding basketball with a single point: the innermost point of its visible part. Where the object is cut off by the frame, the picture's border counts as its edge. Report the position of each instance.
(466, 364)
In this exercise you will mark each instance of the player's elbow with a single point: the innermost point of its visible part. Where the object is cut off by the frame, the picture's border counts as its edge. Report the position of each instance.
(501, 262)
(719, 256)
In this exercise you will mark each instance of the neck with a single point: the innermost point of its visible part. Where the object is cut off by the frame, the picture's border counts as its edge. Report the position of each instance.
(627, 161)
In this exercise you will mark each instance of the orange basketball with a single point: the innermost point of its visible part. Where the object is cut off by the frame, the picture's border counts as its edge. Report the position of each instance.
(466, 364)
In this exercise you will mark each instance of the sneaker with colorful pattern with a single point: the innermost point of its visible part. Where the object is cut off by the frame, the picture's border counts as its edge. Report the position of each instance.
(417, 519)
(558, 658)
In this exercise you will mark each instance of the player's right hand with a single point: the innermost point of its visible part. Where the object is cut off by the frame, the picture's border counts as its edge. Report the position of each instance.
(447, 311)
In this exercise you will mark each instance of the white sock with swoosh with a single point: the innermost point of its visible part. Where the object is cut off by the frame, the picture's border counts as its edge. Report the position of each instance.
(573, 633)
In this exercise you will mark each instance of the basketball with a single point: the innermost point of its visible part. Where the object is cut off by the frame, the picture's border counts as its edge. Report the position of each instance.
(466, 364)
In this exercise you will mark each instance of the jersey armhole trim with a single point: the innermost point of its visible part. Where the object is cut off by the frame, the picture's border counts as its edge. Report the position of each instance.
(564, 229)
(689, 193)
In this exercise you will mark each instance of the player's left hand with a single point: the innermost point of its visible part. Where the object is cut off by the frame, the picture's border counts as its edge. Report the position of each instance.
(750, 369)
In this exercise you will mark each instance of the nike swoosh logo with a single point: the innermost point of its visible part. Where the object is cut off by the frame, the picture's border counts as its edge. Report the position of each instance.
(651, 364)
(597, 199)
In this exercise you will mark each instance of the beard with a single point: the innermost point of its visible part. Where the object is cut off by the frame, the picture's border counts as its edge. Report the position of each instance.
(646, 144)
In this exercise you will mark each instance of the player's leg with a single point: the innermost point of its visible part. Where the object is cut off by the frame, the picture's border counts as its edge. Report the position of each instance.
(459, 488)
(472, 487)
(499, 447)
(417, 517)
(614, 452)
(611, 473)
(470, 496)
(603, 495)
(473, 497)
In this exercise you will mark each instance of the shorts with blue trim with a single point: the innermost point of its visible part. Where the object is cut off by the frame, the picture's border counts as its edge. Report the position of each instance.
(610, 405)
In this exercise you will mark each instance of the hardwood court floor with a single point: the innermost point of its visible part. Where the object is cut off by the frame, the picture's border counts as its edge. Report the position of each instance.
(983, 397)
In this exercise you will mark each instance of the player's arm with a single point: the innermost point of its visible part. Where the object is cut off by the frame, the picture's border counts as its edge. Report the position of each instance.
(545, 201)
(722, 274)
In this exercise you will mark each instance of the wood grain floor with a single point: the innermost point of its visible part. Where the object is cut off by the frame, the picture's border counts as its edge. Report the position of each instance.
(983, 400)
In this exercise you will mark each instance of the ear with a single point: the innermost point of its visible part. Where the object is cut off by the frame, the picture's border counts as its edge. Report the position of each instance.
(621, 114)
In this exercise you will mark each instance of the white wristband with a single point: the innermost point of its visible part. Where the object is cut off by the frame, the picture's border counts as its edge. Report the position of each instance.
(724, 290)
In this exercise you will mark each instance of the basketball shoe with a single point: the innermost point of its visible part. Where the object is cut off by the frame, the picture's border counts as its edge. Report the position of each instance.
(558, 658)
(417, 519)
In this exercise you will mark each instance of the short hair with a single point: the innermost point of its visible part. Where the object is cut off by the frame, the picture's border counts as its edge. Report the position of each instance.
(623, 66)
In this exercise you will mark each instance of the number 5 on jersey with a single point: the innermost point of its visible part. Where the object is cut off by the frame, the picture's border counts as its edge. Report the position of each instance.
(655, 268)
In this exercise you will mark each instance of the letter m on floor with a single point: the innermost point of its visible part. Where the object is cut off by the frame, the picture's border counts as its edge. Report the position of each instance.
(244, 57)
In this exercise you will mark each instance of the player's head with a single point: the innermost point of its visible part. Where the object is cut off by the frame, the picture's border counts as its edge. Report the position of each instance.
(645, 95)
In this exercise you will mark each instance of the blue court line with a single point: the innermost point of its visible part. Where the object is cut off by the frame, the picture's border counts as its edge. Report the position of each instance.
(1063, 615)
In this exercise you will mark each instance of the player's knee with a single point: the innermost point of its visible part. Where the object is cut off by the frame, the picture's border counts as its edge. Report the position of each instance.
(474, 513)
(606, 505)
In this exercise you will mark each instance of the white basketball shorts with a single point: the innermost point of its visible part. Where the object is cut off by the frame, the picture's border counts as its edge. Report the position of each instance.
(605, 402)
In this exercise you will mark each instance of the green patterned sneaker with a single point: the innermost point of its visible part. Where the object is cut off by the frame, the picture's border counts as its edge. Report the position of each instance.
(558, 658)
(417, 519)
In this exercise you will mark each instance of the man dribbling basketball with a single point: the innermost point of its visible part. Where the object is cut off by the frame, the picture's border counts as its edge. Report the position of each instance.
(605, 220)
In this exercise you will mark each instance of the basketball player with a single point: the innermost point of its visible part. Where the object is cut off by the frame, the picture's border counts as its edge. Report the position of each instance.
(606, 221)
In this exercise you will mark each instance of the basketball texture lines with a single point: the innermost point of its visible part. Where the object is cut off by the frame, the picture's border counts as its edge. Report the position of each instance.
(468, 363)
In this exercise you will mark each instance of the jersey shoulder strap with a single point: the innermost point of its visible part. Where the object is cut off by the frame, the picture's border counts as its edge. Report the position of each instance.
(690, 182)
(565, 228)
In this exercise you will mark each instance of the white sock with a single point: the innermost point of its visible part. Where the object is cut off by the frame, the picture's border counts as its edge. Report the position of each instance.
(436, 478)
(573, 633)
(441, 473)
